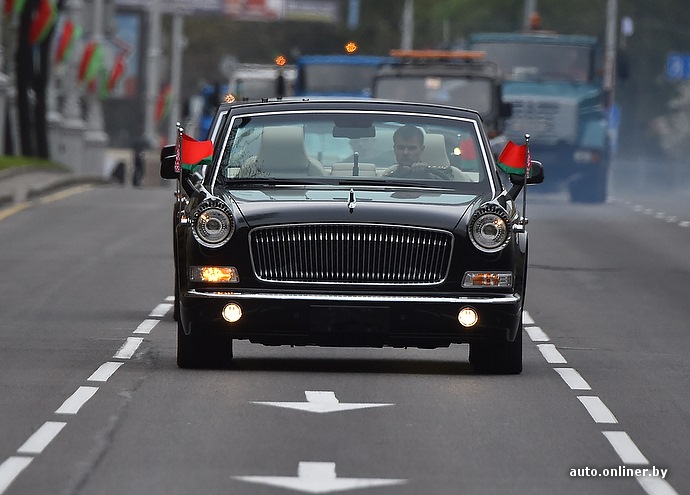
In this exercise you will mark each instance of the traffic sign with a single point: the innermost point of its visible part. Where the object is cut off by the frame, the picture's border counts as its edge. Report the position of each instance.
(678, 66)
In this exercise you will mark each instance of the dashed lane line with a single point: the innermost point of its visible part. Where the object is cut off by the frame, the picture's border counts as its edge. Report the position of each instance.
(14, 465)
(620, 441)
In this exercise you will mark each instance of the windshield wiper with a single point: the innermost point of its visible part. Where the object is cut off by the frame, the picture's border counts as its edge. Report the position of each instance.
(394, 183)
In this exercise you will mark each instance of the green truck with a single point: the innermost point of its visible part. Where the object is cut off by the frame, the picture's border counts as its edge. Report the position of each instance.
(555, 85)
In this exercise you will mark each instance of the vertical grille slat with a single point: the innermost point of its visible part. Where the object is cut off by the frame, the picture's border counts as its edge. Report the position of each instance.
(351, 254)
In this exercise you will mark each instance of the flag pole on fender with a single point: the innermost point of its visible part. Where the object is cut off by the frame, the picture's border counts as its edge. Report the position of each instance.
(178, 148)
(528, 166)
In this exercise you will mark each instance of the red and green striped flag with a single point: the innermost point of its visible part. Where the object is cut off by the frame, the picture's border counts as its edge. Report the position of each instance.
(43, 21)
(68, 37)
(91, 61)
(14, 6)
(163, 103)
(116, 72)
(193, 153)
(513, 159)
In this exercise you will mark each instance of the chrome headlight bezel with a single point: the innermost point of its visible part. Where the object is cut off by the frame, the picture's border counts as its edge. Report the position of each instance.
(212, 223)
(489, 228)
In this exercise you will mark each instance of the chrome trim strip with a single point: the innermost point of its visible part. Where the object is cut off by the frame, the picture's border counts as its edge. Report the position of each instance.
(229, 295)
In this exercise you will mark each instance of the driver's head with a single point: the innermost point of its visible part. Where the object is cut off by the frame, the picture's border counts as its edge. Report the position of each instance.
(408, 144)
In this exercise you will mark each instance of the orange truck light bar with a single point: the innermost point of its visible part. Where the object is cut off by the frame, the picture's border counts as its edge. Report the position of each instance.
(438, 54)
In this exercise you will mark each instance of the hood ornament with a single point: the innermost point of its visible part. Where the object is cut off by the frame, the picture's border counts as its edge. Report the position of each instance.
(352, 201)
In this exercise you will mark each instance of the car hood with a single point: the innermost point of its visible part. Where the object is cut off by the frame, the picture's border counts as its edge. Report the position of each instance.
(435, 208)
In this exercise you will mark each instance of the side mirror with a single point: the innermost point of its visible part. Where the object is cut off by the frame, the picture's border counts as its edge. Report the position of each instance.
(168, 162)
(536, 175)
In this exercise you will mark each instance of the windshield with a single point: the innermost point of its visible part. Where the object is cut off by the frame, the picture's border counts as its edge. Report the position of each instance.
(326, 147)
(465, 93)
(539, 61)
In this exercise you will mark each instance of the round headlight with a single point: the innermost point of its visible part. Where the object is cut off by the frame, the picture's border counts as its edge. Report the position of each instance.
(489, 230)
(213, 224)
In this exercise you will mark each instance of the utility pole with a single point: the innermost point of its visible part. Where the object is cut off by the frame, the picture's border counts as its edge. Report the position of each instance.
(4, 88)
(407, 25)
(153, 56)
(95, 138)
(530, 7)
(178, 44)
(70, 149)
(610, 50)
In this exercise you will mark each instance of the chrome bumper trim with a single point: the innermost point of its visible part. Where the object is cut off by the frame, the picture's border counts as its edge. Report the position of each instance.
(494, 299)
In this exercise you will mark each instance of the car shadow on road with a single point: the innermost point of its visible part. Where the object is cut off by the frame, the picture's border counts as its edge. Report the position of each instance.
(352, 365)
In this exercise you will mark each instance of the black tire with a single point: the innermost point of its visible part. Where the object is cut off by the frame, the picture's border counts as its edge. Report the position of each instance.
(503, 358)
(176, 302)
(202, 351)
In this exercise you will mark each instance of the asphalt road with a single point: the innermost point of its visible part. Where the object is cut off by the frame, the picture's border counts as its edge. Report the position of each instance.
(92, 402)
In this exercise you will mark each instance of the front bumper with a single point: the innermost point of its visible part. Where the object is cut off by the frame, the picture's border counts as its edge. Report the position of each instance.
(352, 319)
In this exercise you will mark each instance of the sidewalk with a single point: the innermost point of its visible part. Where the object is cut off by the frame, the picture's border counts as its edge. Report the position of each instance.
(24, 183)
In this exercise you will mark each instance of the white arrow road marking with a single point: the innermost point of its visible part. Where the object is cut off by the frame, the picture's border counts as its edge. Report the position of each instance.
(319, 477)
(322, 402)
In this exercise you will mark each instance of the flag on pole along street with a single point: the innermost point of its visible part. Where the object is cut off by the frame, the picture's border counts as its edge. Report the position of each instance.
(90, 61)
(163, 103)
(69, 34)
(14, 6)
(43, 21)
(194, 153)
(513, 158)
(117, 71)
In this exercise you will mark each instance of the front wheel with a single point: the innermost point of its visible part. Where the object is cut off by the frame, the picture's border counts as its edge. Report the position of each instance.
(503, 358)
(202, 351)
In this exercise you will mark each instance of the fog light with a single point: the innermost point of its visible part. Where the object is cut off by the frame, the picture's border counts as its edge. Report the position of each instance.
(468, 317)
(232, 312)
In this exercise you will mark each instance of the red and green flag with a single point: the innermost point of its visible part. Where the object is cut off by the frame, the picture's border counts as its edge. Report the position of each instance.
(43, 21)
(116, 72)
(68, 36)
(514, 158)
(193, 153)
(163, 103)
(14, 6)
(91, 61)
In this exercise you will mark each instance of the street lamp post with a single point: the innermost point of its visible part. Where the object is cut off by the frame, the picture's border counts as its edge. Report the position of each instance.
(95, 138)
(69, 146)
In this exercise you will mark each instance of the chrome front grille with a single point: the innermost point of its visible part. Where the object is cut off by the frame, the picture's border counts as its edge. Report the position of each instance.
(351, 254)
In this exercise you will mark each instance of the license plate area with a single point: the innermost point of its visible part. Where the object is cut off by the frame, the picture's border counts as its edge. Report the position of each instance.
(349, 319)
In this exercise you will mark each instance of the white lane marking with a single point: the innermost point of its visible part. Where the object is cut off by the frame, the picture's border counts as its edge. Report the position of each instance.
(527, 319)
(104, 372)
(10, 469)
(319, 477)
(654, 485)
(128, 348)
(146, 326)
(684, 223)
(536, 334)
(573, 379)
(551, 354)
(41, 437)
(322, 402)
(625, 447)
(170, 298)
(161, 310)
(76, 400)
(597, 409)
